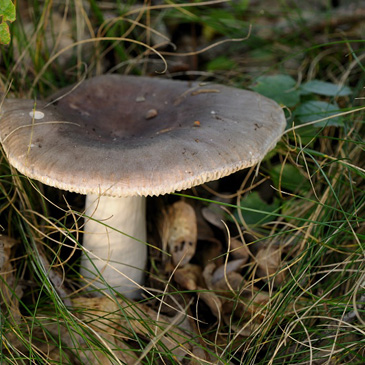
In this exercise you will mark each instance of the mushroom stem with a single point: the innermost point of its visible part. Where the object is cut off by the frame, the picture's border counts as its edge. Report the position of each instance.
(111, 251)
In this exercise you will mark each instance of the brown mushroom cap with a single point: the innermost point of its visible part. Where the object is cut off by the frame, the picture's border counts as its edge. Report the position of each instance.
(126, 135)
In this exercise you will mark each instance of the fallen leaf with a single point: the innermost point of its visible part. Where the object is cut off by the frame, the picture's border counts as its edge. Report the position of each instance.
(214, 215)
(268, 261)
(239, 250)
(189, 276)
(208, 274)
(10, 291)
(211, 300)
(226, 269)
(229, 284)
(209, 251)
(245, 314)
(178, 231)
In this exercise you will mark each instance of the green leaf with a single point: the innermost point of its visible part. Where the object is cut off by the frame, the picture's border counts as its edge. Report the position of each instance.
(7, 10)
(280, 88)
(4, 33)
(315, 109)
(291, 178)
(7, 13)
(325, 88)
(262, 209)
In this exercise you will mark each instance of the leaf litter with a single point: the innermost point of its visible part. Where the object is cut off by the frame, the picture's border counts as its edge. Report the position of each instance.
(228, 296)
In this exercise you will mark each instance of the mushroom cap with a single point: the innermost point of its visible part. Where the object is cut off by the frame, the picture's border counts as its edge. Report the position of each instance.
(125, 135)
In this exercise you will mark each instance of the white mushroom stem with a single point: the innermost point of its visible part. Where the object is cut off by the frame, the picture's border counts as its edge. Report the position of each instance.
(120, 258)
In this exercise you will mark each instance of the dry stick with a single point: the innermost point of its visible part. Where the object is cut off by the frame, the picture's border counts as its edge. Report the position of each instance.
(109, 23)
(349, 317)
(37, 78)
(135, 61)
(147, 28)
(178, 6)
(316, 213)
(281, 172)
(238, 202)
(210, 46)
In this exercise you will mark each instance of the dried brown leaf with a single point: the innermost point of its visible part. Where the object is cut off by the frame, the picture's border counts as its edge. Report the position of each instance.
(210, 251)
(10, 291)
(233, 281)
(189, 276)
(245, 315)
(212, 301)
(214, 214)
(239, 250)
(268, 263)
(165, 329)
(205, 232)
(201, 357)
(178, 231)
(230, 266)
(208, 274)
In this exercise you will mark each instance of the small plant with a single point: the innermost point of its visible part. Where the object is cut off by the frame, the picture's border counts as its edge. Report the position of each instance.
(7, 14)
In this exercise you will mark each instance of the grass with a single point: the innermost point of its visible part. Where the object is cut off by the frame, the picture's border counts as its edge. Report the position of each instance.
(300, 296)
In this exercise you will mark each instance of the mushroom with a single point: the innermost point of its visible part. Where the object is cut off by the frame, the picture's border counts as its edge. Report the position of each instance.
(119, 139)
